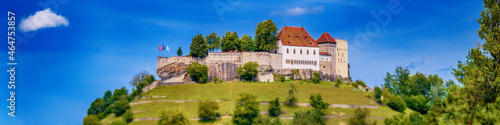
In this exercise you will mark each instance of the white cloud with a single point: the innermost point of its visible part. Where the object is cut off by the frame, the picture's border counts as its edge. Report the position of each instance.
(43, 19)
(300, 11)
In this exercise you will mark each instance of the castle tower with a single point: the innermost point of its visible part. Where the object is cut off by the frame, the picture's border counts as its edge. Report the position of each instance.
(328, 45)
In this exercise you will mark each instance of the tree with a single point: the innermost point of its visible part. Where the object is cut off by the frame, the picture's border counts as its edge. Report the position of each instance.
(96, 107)
(396, 103)
(316, 78)
(140, 81)
(246, 44)
(413, 119)
(317, 103)
(179, 52)
(360, 116)
(398, 84)
(120, 107)
(311, 117)
(172, 118)
(248, 71)
(213, 42)
(230, 42)
(198, 47)
(378, 92)
(119, 94)
(107, 98)
(128, 116)
(208, 109)
(91, 120)
(274, 107)
(418, 103)
(291, 99)
(265, 36)
(247, 108)
(198, 72)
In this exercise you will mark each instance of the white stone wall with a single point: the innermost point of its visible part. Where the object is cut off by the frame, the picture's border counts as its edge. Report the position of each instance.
(341, 60)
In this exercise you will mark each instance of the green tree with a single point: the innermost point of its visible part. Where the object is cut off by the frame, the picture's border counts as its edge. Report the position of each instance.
(396, 103)
(96, 107)
(311, 117)
(179, 52)
(198, 72)
(378, 92)
(120, 107)
(208, 109)
(172, 118)
(317, 103)
(247, 108)
(398, 84)
(418, 103)
(265, 36)
(359, 82)
(274, 107)
(128, 116)
(292, 99)
(119, 94)
(248, 71)
(198, 47)
(360, 116)
(107, 98)
(230, 42)
(316, 78)
(246, 44)
(91, 120)
(412, 119)
(213, 42)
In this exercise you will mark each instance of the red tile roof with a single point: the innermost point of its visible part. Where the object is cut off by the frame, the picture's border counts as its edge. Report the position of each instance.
(325, 37)
(325, 53)
(296, 36)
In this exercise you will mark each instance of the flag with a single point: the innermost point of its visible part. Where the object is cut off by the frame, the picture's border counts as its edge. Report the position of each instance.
(160, 48)
(163, 46)
(168, 49)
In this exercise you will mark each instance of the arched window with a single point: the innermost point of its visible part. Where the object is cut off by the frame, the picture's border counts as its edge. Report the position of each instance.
(293, 51)
(300, 51)
(314, 52)
(286, 50)
(307, 51)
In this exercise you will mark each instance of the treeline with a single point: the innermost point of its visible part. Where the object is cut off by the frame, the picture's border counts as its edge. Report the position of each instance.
(475, 101)
(117, 102)
(264, 41)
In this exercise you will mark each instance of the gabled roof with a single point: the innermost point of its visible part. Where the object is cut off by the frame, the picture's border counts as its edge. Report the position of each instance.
(325, 53)
(296, 36)
(326, 38)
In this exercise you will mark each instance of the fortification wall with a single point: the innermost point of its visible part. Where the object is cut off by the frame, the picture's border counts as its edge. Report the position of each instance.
(325, 66)
(163, 61)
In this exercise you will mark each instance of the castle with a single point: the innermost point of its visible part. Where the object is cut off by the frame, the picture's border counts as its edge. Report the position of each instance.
(296, 50)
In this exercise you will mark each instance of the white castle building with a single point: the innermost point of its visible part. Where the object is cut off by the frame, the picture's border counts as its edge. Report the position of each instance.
(301, 51)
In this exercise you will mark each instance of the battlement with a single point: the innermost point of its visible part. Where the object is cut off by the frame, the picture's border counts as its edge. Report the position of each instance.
(162, 61)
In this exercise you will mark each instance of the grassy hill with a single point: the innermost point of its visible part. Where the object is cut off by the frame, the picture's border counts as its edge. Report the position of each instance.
(185, 98)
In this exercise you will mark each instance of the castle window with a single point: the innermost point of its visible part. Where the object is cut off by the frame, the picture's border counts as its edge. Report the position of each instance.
(293, 51)
(314, 52)
(286, 50)
(300, 51)
(324, 67)
(342, 54)
(307, 51)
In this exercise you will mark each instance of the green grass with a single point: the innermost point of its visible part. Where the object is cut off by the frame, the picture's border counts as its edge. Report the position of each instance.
(110, 119)
(263, 91)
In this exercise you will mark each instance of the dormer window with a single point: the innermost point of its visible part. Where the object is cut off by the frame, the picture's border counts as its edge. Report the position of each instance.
(297, 36)
(288, 35)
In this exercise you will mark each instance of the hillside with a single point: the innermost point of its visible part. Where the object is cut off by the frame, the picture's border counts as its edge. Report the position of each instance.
(185, 97)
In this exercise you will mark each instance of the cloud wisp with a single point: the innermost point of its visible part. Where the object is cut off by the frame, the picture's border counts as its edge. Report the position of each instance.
(415, 64)
(300, 11)
(43, 19)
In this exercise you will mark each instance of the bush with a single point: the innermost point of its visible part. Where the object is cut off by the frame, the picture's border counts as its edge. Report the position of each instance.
(337, 84)
(279, 77)
(96, 107)
(198, 72)
(248, 71)
(360, 116)
(172, 118)
(359, 82)
(291, 99)
(316, 78)
(274, 107)
(247, 108)
(208, 109)
(396, 103)
(317, 103)
(119, 122)
(312, 117)
(339, 81)
(355, 85)
(378, 92)
(128, 116)
(91, 120)
(418, 103)
(120, 107)
(413, 119)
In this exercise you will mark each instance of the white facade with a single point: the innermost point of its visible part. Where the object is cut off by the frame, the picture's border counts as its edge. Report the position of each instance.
(299, 57)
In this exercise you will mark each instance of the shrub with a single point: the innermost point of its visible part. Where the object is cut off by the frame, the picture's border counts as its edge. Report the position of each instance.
(312, 117)
(360, 116)
(248, 71)
(172, 118)
(413, 119)
(198, 72)
(247, 108)
(339, 81)
(396, 103)
(355, 85)
(217, 80)
(317, 102)
(337, 84)
(208, 109)
(418, 103)
(359, 82)
(291, 99)
(274, 107)
(91, 120)
(378, 92)
(120, 107)
(128, 116)
(96, 107)
(316, 78)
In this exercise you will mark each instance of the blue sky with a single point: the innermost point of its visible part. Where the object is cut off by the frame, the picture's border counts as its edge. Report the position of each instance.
(62, 69)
